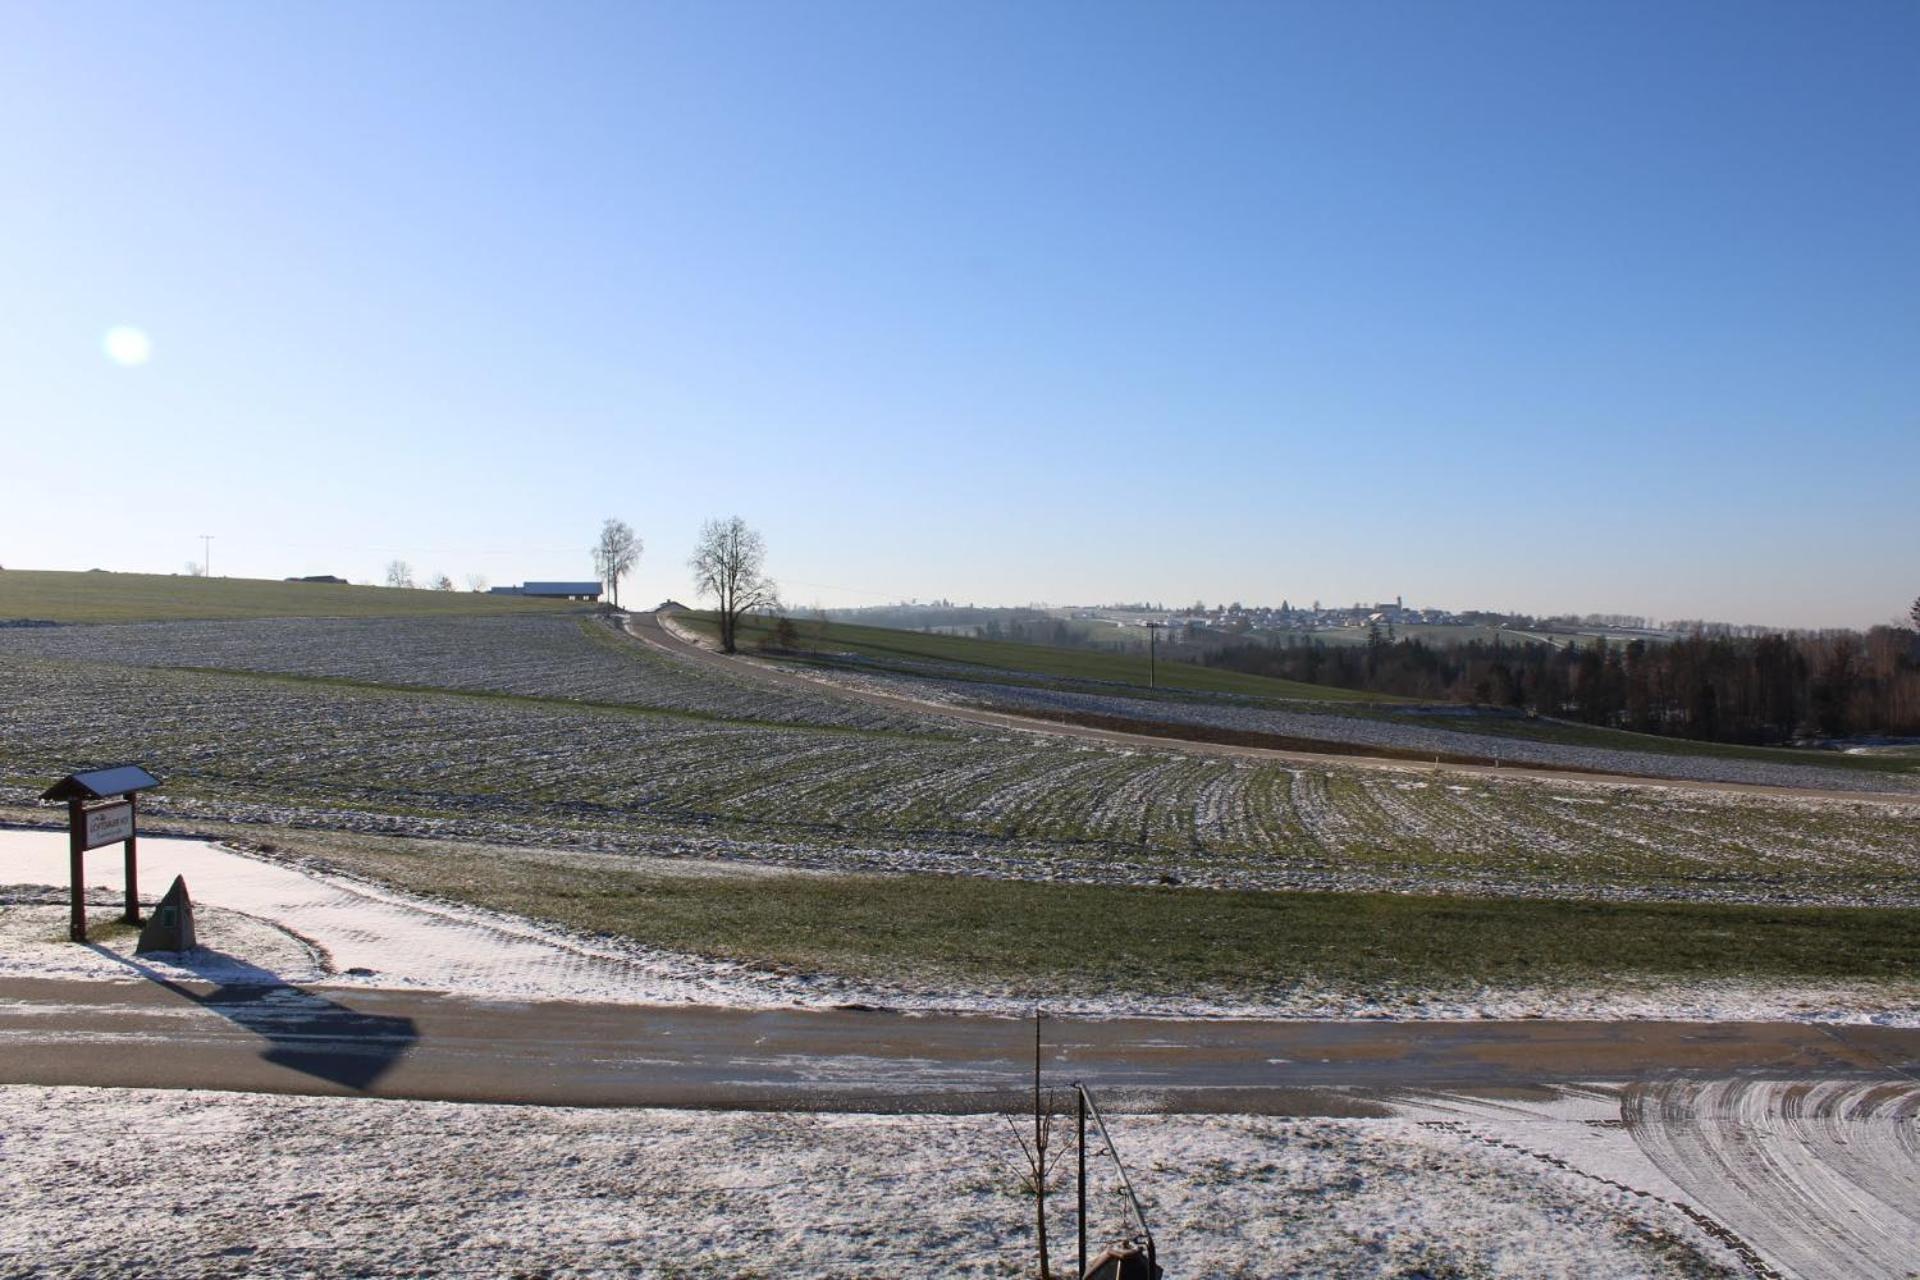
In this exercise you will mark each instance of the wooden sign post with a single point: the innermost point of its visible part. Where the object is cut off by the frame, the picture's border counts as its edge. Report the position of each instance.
(109, 820)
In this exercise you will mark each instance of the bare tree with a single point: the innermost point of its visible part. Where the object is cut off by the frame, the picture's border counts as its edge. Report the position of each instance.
(399, 573)
(614, 554)
(195, 569)
(1042, 1159)
(476, 582)
(728, 564)
(443, 583)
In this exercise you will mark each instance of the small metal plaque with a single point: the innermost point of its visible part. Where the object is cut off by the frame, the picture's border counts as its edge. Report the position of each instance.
(109, 824)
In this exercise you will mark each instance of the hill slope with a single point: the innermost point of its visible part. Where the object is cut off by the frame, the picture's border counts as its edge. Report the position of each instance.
(155, 597)
(995, 659)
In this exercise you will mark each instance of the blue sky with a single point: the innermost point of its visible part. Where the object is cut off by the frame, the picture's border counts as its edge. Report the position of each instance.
(1540, 306)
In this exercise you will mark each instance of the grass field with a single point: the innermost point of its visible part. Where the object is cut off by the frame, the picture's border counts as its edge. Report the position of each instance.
(1154, 941)
(151, 597)
(997, 657)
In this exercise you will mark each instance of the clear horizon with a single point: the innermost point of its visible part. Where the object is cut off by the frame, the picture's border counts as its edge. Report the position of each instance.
(1539, 308)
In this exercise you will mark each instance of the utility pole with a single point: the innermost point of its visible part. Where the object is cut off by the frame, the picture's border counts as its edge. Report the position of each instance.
(206, 555)
(1153, 634)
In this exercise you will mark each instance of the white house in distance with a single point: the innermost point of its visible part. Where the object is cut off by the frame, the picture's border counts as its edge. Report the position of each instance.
(589, 591)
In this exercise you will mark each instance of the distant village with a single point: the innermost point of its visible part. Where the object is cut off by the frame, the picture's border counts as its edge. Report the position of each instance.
(1285, 617)
(1199, 622)
(1390, 617)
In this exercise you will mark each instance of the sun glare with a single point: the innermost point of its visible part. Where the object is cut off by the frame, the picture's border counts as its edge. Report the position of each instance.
(127, 346)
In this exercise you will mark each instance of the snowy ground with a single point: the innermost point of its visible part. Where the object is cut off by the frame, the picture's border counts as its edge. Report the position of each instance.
(308, 928)
(99, 1182)
(1806, 1178)
(302, 926)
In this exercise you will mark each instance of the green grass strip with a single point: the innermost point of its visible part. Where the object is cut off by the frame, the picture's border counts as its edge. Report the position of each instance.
(1149, 940)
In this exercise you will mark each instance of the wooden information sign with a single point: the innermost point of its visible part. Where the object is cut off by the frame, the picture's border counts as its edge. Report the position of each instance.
(91, 825)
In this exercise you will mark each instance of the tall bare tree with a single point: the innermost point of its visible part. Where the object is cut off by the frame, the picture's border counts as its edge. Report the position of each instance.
(399, 573)
(614, 554)
(729, 564)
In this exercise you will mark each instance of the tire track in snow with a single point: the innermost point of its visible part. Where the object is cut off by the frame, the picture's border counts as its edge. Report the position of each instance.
(1823, 1177)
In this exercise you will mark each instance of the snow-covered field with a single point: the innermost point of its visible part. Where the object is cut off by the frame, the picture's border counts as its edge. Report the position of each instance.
(275, 921)
(248, 748)
(96, 1182)
(543, 656)
(1332, 723)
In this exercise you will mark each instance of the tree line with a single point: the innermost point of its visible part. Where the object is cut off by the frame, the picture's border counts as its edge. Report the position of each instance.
(1715, 687)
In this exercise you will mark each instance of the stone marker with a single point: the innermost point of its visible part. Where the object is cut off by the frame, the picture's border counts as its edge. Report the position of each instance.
(170, 927)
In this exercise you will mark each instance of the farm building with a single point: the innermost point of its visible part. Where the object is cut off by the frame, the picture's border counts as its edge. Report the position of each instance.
(553, 590)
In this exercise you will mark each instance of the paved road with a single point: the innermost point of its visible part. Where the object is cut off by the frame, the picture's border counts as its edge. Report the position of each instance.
(412, 1044)
(648, 628)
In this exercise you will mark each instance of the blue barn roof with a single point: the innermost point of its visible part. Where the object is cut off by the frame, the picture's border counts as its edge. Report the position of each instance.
(561, 589)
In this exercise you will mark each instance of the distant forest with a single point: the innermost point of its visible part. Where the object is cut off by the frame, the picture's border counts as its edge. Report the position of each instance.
(1721, 688)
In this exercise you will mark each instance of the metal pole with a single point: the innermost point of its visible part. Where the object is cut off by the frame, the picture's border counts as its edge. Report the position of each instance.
(132, 915)
(1080, 1149)
(1139, 1214)
(76, 869)
(1039, 1156)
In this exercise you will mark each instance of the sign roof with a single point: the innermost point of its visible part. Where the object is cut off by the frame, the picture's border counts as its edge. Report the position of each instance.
(98, 784)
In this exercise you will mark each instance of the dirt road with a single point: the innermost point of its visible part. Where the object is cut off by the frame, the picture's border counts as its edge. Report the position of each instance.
(649, 629)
